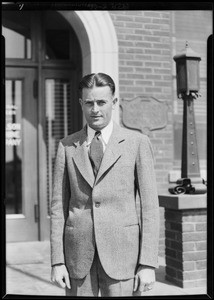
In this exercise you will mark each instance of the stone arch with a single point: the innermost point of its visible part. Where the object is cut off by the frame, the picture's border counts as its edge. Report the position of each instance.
(98, 40)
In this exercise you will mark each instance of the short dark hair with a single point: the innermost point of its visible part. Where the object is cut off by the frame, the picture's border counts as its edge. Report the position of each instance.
(96, 79)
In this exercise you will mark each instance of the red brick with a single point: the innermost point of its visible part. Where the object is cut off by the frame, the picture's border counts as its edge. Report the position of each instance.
(171, 271)
(126, 82)
(152, 38)
(143, 44)
(162, 83)
(126, 69)
(190, 275)
(133, 12)
(133, 37)
(144, 70)
(194, 256)
(154, 77)
(162, 33)
(143, 82)
(133, 63)
(143, 32)
(143, 20)
(153, 64)
(176, 245)
(134, 76)
(201, 226)
(125, 95)
(119, 24)
(153, 51)
(133, 25)
(134, 50)
(124, 18)
(201, 282)
(194, 236)
(171, 253)
(174, 280)
(201, 245)
(167, 65)
(188, 246)
(152, 14)
(173, 263)
(162, 71)
(126, 30)
(136, 89)
(173, 215)
(188, 227)
(126, 56)
(161, 21)
(201, 264)
(153, 90)
(126, 44)
(143, 57)
(188, 266)
(195, 216)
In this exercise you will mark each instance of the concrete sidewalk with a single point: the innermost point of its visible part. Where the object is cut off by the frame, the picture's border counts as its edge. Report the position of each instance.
(28, 273)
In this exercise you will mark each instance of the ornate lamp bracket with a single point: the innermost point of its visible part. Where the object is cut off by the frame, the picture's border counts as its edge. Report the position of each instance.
(187, 68)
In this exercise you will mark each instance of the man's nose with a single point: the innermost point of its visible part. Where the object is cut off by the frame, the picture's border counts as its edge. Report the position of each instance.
(95, 107)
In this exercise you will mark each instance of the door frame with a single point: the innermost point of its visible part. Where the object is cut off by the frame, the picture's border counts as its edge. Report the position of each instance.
(24, 226)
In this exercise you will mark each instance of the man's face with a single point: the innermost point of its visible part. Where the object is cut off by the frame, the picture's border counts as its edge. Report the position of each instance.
(97, 105)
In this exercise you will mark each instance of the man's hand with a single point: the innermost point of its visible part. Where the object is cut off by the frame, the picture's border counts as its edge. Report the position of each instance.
(59, 275)
(144, 279)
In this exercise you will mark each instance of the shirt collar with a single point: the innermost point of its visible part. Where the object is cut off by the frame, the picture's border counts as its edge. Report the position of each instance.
(105, 133)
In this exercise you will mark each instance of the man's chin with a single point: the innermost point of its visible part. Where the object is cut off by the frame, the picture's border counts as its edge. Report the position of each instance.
(97, 125)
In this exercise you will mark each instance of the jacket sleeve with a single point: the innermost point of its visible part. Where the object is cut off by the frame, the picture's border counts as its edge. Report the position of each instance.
(59, 206)
(149, 204)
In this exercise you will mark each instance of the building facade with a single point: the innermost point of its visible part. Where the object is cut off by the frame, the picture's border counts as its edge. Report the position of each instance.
(46, 54)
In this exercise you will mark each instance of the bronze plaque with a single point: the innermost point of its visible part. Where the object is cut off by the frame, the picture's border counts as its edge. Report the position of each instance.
(144, 113)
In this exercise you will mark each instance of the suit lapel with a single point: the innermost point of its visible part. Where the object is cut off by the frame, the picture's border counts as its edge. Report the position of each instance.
(113, 151)
(82, 160)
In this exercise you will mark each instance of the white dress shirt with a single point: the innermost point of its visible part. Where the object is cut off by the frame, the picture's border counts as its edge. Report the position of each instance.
(105, 134)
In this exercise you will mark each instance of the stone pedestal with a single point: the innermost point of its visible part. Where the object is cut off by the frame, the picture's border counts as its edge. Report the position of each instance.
(185, 239)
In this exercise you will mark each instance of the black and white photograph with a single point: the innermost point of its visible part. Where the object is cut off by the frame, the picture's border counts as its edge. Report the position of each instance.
(107, 129)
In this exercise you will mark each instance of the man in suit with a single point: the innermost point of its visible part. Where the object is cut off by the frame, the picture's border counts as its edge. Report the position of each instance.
(100, 243)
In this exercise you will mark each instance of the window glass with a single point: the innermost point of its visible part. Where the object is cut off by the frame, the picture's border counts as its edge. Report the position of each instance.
(13, 147)
(57, 36)
(17, 33)
(58, 121)
(57, 44)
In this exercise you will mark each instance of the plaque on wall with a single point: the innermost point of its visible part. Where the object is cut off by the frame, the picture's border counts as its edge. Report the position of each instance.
(144, 114)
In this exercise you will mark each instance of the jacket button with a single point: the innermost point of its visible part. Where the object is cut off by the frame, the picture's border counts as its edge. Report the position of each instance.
(97, 204)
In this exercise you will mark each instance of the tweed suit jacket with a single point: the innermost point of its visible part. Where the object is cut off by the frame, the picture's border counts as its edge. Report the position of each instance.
(86, 211)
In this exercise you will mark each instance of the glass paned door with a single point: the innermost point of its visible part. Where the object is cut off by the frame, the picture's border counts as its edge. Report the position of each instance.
(14, 147)
(58, 118)
(21, 155)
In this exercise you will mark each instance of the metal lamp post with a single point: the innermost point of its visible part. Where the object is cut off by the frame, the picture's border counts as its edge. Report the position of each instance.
(187, 71)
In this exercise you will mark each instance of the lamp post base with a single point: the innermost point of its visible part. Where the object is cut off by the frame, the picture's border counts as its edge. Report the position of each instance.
(188, 186)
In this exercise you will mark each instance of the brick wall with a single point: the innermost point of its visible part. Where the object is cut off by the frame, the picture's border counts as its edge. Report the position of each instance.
(145, 68)
(186, 247)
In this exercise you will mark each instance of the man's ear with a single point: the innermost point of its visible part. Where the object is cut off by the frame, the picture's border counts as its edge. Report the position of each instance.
(114, 102)
(80, 101)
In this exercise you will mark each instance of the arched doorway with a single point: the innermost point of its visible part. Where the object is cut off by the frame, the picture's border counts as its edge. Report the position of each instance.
(98, 42)
(43, 68)
(47, 52)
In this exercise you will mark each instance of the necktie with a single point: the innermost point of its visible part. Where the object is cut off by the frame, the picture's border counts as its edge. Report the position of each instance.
(96, 152)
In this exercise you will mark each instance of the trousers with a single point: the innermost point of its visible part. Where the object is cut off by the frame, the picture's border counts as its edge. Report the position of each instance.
(98, 283)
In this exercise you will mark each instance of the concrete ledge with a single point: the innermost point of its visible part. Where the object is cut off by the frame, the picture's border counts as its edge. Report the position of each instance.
(183, 201)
